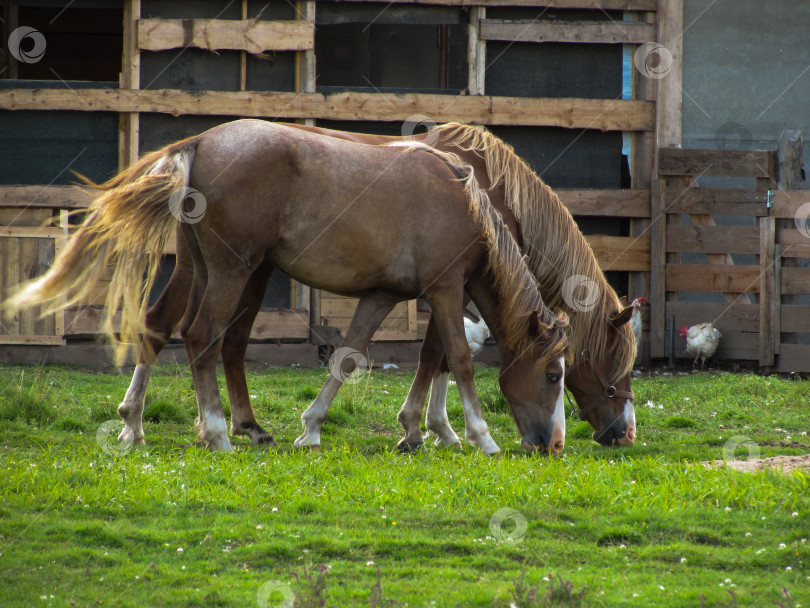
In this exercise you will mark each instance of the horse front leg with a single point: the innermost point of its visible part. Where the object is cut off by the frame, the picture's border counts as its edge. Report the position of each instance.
(234, 347)
(431, 355)
(370, 312)
(447, 306)
(161, 318)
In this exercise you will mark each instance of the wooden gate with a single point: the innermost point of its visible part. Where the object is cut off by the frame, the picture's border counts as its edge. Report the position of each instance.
(30, 237)
(750, 313)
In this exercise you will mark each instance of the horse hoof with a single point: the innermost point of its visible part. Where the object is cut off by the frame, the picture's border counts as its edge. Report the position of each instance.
(266, 440)
(409, 447)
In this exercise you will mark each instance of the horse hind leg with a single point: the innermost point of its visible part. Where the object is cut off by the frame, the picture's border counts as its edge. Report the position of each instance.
(234, 347)
(370, 312)
(436, 420)
(161, 318)
(204, 340)
(410, 415)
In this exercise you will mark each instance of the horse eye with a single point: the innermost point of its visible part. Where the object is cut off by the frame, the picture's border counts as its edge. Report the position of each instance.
(553, 378)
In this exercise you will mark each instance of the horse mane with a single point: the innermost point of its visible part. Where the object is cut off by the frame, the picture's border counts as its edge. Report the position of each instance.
(517, 288)
(553, 259)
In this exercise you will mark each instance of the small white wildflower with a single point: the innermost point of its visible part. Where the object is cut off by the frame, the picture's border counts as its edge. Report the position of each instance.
(275, 509)
(788, 568)
(683, 560)
(369, 563)
(728, 580)
(782, 545)
(179, 549)
(661, 587)
(748, 534)
(794, 514)
(259, 527)
(728, 509)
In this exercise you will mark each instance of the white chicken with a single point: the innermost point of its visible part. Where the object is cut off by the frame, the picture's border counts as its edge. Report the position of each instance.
(476, 334)
(635, 320)
(701, 341)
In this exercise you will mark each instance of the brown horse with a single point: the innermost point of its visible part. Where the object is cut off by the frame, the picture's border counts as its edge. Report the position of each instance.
(601, 340)
(381, 223)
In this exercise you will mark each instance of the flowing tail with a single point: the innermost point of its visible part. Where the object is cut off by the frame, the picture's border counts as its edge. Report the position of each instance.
(126, 229)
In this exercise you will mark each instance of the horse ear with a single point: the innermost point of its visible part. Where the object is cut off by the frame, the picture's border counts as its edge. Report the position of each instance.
(622, 317)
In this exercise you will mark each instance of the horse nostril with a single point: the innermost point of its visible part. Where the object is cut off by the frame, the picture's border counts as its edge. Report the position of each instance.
(557, 448)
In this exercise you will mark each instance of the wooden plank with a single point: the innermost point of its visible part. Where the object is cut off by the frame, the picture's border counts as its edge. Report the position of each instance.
(60, 197)
(24, 217)
(476, 52)
(718, 201)
(795, 280)
(658, 260)
(727, 163)
(30, 231)
(795, 318)
(713, 239)
(250, 35)
(737, 316)
(32, 340)
(795, 244)
(789, 159)
(734, 345)
(608, 5)
(713, 278)
(620, 252)
(572, 113)
(794, 358)
(130, 78)
(588, 32)
(45, 256)
(642, 175)
(610, 203)
(767, 293)
(789, 204)
(276, 324)
(29, 267)
(668, 117)
(11, 279)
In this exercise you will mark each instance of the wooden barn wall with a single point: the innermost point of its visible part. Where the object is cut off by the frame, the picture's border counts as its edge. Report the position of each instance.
(401, 55)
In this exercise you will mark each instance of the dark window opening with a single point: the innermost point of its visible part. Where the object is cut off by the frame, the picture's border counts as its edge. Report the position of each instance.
(374, 47)
(64, 44)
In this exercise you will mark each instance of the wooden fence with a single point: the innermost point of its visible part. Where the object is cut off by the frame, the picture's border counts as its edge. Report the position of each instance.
(749, 313)
(642, 117)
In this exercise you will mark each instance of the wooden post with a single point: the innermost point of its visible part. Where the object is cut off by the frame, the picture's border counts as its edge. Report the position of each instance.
(767, 291)
(243, 54)
(642, 167)
(789, 160)
(669, 97)
(476, 51)
(130, 78)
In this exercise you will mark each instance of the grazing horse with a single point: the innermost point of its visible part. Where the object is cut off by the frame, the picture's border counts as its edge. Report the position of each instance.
(601, 340)
(381, 223)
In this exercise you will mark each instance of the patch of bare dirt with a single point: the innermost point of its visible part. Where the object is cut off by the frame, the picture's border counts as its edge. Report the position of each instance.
(786, 464)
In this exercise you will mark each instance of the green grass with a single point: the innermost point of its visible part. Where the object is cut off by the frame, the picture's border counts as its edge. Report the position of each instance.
(358, 524)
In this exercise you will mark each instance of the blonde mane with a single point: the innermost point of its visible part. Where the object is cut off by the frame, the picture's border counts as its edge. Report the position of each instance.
(517, 288)
(556, 249)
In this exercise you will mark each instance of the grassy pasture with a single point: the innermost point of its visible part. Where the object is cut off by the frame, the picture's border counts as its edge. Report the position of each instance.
(83, 524)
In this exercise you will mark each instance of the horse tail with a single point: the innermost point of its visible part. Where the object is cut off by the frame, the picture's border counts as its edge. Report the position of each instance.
(125, 230)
